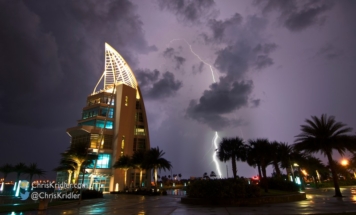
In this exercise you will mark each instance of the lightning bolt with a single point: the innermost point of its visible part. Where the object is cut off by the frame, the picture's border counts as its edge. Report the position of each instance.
(192, 51)
(215, 138)
(215, 152)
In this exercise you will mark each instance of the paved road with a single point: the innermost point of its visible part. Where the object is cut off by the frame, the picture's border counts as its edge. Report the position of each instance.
(318, 202)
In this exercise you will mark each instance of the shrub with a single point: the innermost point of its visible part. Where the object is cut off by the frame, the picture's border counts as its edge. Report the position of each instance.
(222, 188)
(91, 194)
(282, 184)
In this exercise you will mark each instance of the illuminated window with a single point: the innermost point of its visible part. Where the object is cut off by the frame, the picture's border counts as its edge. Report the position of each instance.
(104, 112)
(106, 140)
(101, 123)
(104, 161)
(140, 130)
(123, 142)
(90, 113)
(126, 100)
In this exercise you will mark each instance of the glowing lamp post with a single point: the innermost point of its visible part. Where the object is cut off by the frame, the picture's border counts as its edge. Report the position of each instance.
(344, 162)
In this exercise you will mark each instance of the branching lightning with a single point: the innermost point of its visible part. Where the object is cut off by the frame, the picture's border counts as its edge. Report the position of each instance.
(215, 138)
(191, 50)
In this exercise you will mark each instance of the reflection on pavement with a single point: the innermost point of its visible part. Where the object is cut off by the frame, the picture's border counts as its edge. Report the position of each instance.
(318, 201)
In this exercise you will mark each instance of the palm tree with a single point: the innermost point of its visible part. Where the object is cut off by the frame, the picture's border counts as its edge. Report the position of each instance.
(137, 160)
(6, 169)
(234, 149)
(263, 151)
(67, 166)
(78, 153)
(124, 163)
(276, 157)
(253, 159)
(285, 152)
(33, 170)
(288, 156)
(19, 169)
(324, 135)
(154, 160)
(180, 176)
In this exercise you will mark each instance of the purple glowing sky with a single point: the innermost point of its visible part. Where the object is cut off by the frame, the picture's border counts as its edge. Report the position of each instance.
(276, 63)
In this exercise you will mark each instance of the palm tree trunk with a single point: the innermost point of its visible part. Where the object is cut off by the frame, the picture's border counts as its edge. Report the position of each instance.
(134, 169)
(155, 172)
(79, 166)
(233, 163)
(140, 177)
(264, 179)
(276, 167)
(334, 175)
(69, 176)
(259, 171)
(125, 178)
(315, 182)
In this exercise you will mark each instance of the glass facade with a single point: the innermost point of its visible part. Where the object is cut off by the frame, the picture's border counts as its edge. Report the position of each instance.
(100, 183)
(104, 99)
(99, 123)
(103, 162)
(98, 111)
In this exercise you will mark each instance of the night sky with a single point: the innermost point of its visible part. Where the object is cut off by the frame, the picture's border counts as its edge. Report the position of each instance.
(275, 63)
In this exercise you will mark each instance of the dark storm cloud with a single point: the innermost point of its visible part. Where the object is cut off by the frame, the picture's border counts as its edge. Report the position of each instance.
(146, 77)
(52, 54)
(222, 98)
(218, 27)
(154, 88)
(190, 11)
(297, 15)
(329, 52)
(170, 53)
(244, 51)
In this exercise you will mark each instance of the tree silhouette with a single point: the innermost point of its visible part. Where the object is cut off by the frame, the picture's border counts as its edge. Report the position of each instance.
(6, 169)
(324, 135)
(33, 170)
(232, 149)
(124, 163)
(154, 160)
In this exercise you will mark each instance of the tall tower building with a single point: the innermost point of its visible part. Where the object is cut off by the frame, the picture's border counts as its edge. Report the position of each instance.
(113, 124)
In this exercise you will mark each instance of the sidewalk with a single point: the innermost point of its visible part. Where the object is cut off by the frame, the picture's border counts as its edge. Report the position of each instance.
(319, 201)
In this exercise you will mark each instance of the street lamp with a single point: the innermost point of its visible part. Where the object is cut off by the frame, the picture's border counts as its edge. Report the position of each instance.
(344, 162)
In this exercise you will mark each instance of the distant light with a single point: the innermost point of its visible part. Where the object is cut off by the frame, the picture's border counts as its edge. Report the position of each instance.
(14, 186)
(297, 180)
(18, 189)
(344, 162)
